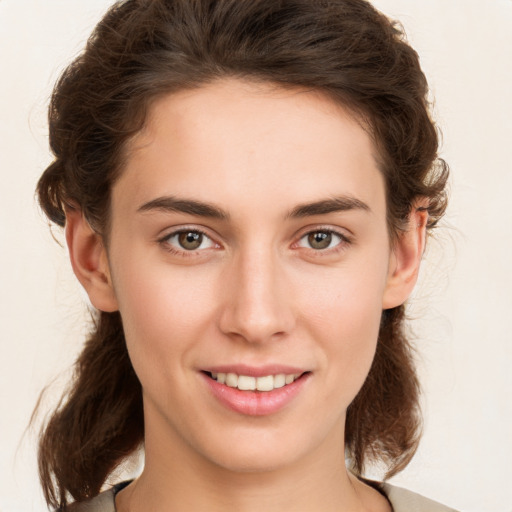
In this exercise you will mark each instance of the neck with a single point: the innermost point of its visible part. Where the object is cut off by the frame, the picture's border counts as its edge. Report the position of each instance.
(175, 477)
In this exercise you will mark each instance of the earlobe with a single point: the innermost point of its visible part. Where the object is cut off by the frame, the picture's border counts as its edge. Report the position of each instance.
(405, 259)
(89, 261)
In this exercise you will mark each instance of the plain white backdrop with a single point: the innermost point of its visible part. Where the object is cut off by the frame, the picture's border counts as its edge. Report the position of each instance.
(462, 307)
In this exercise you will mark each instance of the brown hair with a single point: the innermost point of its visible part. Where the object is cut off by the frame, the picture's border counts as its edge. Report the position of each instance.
(143, 49)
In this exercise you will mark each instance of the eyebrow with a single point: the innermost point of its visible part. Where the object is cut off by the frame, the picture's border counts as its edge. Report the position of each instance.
(202, 209)
(323, 207)
(173, 204)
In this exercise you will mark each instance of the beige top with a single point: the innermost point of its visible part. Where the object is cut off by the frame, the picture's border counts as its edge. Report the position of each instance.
(401, 500)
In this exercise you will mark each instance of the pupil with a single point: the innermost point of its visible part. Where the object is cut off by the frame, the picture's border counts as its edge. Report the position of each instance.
(320, 240)
(190, 240)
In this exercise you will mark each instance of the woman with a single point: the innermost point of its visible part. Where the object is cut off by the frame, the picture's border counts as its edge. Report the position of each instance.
(246, 188)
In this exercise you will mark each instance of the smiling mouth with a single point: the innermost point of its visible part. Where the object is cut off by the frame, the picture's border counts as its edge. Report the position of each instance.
(248, 383)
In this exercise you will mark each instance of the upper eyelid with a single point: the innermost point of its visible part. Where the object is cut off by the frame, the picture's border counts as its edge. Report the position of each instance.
(342, 238)
(345, 240)
(331, 231)
(172, 231)
(164, 241)
(342, 232)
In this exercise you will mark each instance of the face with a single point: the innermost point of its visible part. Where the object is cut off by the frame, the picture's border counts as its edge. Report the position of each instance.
(250, 261)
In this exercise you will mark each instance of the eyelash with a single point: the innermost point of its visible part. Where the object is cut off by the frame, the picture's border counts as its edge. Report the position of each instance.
(343, 242)
(165, 242)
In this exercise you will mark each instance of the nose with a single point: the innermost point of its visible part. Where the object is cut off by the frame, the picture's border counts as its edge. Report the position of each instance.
(257, 305)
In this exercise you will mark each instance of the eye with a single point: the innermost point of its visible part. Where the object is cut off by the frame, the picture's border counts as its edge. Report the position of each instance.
(321, 240)
(189, 240)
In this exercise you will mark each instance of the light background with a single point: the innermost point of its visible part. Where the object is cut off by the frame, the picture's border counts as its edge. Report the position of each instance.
(463, 303)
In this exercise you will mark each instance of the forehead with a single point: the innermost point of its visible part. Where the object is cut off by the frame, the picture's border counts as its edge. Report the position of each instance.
(232, 139)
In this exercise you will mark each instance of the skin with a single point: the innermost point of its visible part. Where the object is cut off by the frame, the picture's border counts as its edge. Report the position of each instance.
(255, 291)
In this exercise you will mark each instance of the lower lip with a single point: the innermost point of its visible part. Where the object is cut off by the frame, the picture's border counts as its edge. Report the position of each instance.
(256, 403)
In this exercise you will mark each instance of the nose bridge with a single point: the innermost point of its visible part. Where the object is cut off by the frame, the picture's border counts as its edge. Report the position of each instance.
(257, 306)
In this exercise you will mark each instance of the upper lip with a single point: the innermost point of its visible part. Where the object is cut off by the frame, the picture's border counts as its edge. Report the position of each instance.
(255, 371)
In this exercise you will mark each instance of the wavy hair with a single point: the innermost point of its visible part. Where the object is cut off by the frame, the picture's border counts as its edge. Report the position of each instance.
(143, 49)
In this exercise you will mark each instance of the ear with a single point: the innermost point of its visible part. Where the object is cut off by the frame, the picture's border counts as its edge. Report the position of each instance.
(404, 263)
(89, 261)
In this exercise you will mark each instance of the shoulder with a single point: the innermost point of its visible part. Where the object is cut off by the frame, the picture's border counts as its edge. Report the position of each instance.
(104, 502)
(403, 500)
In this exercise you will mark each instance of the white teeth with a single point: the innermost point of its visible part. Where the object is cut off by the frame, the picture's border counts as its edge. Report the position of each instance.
(265, 383)
(279, 380)
(232, 380)
(248, 383)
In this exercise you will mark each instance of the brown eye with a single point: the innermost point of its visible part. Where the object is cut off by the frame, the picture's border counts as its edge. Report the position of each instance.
(320, 240)
(187, 242)
(190, 240)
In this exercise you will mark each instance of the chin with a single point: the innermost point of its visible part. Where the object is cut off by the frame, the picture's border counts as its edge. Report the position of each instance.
(254, 461)
(260, 451)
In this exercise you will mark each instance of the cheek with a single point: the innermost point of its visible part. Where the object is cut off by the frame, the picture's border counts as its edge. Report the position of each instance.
(345, 300)
(344, 320)
(164, 315)
(351, 324)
